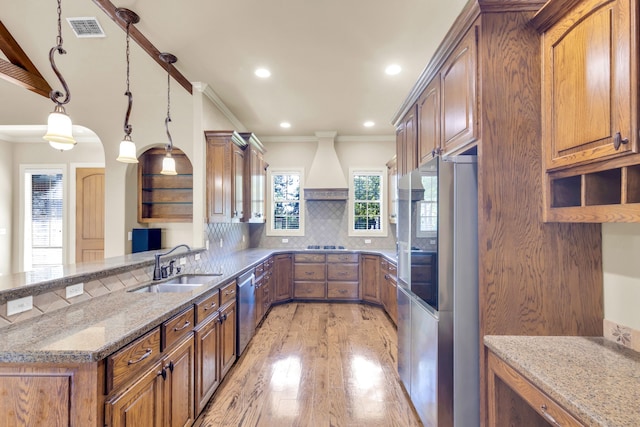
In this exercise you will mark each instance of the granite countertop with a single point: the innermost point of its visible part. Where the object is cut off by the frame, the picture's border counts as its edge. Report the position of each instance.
(596, 380)
(90, 331)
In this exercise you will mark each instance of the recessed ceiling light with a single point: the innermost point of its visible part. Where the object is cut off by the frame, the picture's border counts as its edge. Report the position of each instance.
(285, 125)
(368, 124)
(263, 73)
(393, 69)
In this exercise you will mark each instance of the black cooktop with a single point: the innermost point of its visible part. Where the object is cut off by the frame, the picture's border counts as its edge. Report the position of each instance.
(326, 247)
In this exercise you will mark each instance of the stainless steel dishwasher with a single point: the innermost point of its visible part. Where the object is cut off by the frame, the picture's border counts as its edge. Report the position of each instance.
(246, 310)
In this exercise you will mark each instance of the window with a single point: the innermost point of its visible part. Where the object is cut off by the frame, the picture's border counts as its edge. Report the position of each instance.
(43, 218)
(286, 203)
(428, 220)
(366, 213)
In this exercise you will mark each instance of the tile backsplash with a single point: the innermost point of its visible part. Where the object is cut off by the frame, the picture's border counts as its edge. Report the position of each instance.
(621, 334)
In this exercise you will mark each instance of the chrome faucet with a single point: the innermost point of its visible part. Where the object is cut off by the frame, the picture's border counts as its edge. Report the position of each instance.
(157, 269)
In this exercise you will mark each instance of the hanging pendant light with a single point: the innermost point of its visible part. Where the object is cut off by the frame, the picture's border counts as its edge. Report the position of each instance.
(59, 128)
(168, 163)
(127, 153)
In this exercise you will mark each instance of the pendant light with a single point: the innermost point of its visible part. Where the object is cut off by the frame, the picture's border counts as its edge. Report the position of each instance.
(59, 128)
(168, 163)
(127, 153)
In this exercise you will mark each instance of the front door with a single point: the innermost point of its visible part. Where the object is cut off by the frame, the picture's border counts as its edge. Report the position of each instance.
(89, 214)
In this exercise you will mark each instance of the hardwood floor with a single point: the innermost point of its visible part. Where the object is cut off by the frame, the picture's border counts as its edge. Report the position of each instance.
(315, 365)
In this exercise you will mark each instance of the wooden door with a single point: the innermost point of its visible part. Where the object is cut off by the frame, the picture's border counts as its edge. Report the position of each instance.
(587, 89)
(259, 299)
(407, 143)
(218, 177)
(369, 282)
(89, 214)
(283, 282)
(179, 387)
(391, 298)
(237, 183)
(227, 338)
(429, 122)
(207, 347)
(140, 405)
(458, 97)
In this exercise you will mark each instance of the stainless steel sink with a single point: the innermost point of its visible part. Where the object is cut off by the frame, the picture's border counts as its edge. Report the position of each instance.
(182, 283)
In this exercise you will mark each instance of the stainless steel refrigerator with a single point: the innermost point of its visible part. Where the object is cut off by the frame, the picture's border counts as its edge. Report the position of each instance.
(438, 341)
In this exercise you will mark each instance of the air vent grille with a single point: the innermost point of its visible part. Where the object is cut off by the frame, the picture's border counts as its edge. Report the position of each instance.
(86, 27)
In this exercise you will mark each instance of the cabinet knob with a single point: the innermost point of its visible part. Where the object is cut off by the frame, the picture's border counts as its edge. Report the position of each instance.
(163, 373)
(548, 416)
(618, 141)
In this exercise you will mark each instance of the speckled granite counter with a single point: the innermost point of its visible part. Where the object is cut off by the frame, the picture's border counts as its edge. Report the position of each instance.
(596, 380)
(91, 330)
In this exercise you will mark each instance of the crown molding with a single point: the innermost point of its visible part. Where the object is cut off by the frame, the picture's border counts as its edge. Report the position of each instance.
(343, 138)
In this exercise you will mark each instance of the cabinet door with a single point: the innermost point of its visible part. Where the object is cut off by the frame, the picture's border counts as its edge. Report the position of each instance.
(587, 92)
(429, 121)
(459, 98)
(218, 180)
(283, 273)
(227, 338)
(255, 186)
(259, 299)
(391, 305)
(140, 405)
(179, 387)
(407, 143)
(369, 281)
(207, 347)
(237, 184)
(392, 194)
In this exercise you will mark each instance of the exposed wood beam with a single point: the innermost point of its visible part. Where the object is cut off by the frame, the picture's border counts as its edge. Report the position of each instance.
(144, 43)
(19, 69)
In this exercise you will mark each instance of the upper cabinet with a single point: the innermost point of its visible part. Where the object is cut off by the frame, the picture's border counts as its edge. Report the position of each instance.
(590, 110)
(429, 121)
(392, 193)
(459, 100)
(255, 189)
(225, 176)
(587, 94)
(164, 198)
(407, 143)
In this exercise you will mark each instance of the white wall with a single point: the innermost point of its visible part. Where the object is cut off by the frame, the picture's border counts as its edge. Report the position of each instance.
(6, 214)
(621, 265)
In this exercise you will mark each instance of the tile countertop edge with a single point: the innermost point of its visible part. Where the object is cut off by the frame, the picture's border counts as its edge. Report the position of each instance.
(603, 400)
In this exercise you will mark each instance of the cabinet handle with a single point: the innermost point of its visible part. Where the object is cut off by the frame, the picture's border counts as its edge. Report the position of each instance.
(213, 304)
(169, 366)
(186, 324)
(146, 354)
(309, 273)
(618, 141)
(548, 416)
(230, 292)
(163, 374)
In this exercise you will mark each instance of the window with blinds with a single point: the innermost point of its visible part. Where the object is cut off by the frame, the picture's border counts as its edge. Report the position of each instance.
(286, 203)
(366, 213)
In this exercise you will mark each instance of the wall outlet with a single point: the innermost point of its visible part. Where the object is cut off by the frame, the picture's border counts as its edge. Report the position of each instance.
(183, 260)
(367, 241)
(221, 243)
(130, 235)
(74, 290)
(19, 305)
(197, 257)
(285, 240)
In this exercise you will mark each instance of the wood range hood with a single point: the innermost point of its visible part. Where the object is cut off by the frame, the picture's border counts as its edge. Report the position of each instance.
(326, 180)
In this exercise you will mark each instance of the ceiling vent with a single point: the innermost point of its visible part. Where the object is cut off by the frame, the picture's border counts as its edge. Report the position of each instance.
(86, 27)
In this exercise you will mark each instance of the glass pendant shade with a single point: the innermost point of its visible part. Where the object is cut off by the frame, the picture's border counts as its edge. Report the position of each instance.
(127, 152)
(59, 130)
(168, 165)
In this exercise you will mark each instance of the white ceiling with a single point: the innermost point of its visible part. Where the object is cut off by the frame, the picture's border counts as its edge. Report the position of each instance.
(327, 58)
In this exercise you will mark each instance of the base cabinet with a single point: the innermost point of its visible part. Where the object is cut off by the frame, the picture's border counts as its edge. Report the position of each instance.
(369, 282)
(283, 277)
(207, 378)
(228, 332)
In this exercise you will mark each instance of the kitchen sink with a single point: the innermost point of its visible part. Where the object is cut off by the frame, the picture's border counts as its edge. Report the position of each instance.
(182, 283)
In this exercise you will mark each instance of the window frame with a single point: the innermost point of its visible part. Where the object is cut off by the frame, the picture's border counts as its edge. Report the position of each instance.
(271, 231)
(434, 202)
(383, 231)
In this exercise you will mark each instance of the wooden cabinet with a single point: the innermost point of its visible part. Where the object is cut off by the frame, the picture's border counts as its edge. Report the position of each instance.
(283, 277)
(369, 282)
(459, 100)
(263, 288)
(207, 347)
(407, 143)
(343, 276)
(228, 334)
(509, 393)
(388, 288)
(164, 198)
(179, 386)
(225, 176)
(309, 276)
(589, 111)
(326, 276)
(587, 91)
(392, 196)
(255, 189)
(429, 122)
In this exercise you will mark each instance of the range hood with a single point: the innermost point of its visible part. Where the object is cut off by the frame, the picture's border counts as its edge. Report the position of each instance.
(326, 180)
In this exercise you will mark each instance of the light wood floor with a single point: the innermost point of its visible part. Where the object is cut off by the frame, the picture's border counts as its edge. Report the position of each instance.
(315, 365)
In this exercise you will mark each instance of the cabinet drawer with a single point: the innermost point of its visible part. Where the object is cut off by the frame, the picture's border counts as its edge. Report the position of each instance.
(392, 269)
(345, 272)
(227, 293)
(207, 307)
(308, 272)
(342, 290)
(126, 362)
(306, 257)
(342, 258)
(177, 327)
(259, 270)
(309, 290)
(547, 408)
